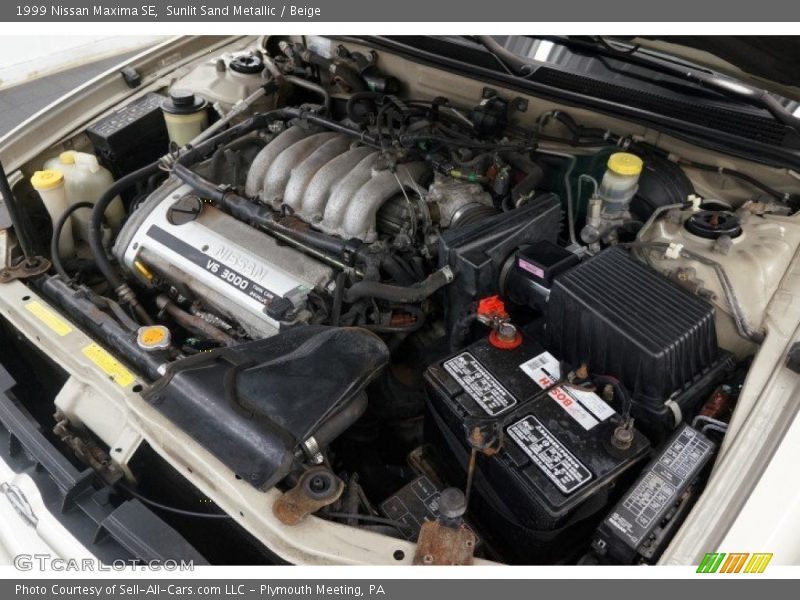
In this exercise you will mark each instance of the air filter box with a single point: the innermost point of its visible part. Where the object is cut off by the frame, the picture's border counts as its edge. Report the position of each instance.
(553, 470)
(624, 319)
(476, 252)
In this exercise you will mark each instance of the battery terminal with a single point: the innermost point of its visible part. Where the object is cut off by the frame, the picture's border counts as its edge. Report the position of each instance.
(492, 313)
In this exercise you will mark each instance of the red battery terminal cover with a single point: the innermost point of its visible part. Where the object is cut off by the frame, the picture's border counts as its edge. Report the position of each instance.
(491, 308)
(492, 312)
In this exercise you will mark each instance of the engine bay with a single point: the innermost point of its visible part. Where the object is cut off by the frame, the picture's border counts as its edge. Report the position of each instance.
(493, 331)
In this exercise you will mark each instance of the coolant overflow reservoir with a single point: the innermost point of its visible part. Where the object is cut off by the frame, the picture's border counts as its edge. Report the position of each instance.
(620, 181)
(85, 180)
(50, 185)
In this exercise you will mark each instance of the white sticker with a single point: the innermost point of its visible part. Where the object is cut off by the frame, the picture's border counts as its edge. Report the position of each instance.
(596, 405)
(572, 407)
(581, 405)
(543, 369)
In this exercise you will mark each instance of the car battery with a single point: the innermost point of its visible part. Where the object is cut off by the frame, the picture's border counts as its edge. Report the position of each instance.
(554, 464)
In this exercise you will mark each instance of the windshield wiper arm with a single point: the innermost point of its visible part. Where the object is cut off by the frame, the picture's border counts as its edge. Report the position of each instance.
(736, 90)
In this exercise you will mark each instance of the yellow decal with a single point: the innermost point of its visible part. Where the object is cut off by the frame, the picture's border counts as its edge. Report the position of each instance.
(48, 317)
(110, 365)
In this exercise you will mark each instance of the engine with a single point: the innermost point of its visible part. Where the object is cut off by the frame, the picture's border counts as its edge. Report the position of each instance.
(323, 202)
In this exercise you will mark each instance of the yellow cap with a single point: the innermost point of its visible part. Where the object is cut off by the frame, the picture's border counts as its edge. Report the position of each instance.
(625, 163)
(153, 337)
(47, 180)
(67, 158)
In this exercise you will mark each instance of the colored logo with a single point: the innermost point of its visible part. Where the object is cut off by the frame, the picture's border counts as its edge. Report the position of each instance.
(734, 562)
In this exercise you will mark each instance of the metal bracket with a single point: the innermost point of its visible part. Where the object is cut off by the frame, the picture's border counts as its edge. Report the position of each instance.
(441, 545)
(317, 488)
(518, 104)
(25, 269)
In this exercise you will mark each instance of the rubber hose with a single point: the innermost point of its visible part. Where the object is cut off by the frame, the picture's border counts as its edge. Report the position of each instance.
(339, 422)
(96, 237)
(391, 265)
(401, 294)
(355, 99)
(57, 228)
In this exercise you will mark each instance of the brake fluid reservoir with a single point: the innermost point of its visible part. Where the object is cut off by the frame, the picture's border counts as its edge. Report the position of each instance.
(620, 182)
(50, 185)
(85, 180)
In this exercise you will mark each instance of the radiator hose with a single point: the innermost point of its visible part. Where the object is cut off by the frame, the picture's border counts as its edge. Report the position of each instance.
(120, 287)
(395, 293)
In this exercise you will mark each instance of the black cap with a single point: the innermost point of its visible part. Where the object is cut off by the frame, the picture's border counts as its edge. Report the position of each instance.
(183, 102)
(713, 224)
(248, 65)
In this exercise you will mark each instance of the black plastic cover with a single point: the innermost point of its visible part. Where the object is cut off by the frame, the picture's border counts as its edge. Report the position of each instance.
(477, 252)
(253, 404)
(643, 521)
(628, 321)
(662, 182)
(78, 498)
(131, 137)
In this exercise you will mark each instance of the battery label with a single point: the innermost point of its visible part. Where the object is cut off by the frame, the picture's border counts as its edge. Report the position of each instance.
(661, 486)
(549, 454)
(543, 369)
(479, 384)
(572, 407)
(592, 402)
(584, 406)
